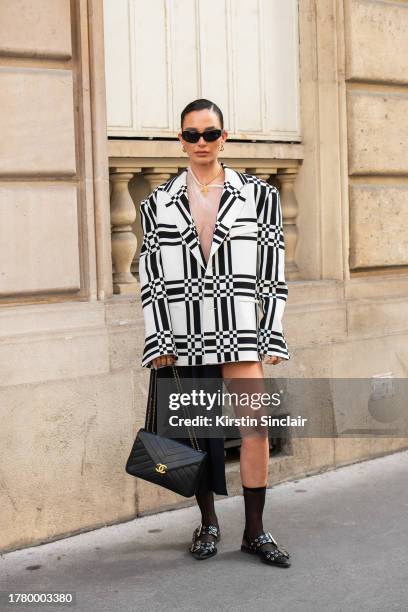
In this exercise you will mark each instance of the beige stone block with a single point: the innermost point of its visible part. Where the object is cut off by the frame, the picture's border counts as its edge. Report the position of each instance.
(313, 361)
(384, 446)
(152, 498)
(310, 455)
(52, 341)
(124, 317)
(284, 467)
(378, 286)
(311, 291)
(126, 347)
(39, 29)
(365, 357)
(123, 310)
(377, 41)
(377, 132)
(396, 444)
(368, 317)
(321, 323)
(63, 447)
(39, 240)
(378, 225)
(37, 122)
(41, 357)
(25, 321)
(350, 450)
(141, 379)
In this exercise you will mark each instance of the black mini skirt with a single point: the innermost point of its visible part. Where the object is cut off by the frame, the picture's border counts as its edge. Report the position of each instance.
(214, 475)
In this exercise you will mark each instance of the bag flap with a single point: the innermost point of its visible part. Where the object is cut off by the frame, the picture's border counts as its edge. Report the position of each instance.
(171, 453)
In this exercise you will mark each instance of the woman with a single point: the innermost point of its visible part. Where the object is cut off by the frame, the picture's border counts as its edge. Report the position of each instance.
(213, 249)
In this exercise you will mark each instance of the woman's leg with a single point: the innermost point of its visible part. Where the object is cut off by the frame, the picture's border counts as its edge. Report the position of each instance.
(205, 501)
(204, 540)
(255, 448)
(205, 495)
(247, 377)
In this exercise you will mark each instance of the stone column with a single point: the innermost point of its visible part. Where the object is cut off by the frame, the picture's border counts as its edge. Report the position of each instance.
(124, 241)
(287, 177)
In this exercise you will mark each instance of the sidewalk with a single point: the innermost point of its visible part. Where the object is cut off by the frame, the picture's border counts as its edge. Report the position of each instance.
(346, 530)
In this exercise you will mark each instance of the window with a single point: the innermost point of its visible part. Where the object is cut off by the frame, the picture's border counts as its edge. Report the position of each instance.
(162, 54)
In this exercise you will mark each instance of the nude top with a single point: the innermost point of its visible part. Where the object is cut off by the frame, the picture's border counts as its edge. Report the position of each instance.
(204, 208)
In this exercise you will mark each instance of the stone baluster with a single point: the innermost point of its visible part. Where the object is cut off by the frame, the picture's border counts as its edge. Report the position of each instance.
(157, 176)
(124, 241)
(263, 173)
(287, 177)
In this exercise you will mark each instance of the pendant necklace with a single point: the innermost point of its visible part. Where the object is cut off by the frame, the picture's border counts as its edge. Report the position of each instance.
(204, 186)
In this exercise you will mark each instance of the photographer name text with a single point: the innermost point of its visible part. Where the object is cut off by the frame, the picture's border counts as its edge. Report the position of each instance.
(245, 421)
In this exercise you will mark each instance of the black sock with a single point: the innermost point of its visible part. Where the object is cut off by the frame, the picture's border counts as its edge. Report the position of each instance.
(254, 498)
(205, 502)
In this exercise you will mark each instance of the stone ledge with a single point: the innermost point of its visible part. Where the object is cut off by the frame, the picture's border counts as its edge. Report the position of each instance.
(36, 319)
(379, 286)
(161, 153)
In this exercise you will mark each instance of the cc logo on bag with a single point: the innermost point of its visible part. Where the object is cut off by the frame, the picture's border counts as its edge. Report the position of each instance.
(161, 468)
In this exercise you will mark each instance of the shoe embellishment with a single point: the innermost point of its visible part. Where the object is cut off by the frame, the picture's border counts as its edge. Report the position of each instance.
(200, 549)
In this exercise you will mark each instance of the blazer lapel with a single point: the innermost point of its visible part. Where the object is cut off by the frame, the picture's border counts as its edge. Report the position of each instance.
(180, 213)
(231, 203)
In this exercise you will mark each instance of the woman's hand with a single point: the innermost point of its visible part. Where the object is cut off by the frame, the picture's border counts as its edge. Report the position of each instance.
(163, 361)
(271, 359)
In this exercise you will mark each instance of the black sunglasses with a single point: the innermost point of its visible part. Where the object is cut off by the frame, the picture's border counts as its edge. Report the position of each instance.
(209, 135)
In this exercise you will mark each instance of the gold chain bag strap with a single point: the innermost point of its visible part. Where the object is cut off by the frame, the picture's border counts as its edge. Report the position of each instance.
(164, 461)
(151, 412)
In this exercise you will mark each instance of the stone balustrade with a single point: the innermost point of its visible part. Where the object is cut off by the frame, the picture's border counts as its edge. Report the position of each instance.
(149, 173)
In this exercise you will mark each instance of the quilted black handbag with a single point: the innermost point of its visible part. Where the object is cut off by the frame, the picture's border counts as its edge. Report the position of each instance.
(163, 461)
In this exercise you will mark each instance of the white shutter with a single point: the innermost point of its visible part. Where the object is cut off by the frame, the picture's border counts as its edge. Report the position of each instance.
(242, 54)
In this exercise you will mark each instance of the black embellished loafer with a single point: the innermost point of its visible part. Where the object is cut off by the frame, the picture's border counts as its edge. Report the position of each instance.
(204, 550)
(277, 556)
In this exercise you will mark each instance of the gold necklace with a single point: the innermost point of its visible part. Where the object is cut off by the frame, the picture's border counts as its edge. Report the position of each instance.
(204, 186)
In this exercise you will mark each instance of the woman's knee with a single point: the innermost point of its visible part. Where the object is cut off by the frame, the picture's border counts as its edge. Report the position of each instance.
(255, 441)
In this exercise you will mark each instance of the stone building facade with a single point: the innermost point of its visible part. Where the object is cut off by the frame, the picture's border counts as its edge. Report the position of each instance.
(72, 391)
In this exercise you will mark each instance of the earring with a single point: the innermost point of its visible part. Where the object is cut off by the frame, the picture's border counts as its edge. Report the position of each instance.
(184, 149)
(222, 147)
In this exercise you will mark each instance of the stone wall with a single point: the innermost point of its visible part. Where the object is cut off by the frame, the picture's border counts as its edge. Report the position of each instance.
(72, 392)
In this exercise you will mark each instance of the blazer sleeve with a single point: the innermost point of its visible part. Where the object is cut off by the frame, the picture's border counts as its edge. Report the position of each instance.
(271, 287)
(159, 339)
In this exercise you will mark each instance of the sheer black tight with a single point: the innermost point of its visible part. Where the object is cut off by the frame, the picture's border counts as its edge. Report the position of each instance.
(205, 501)
(254, 499)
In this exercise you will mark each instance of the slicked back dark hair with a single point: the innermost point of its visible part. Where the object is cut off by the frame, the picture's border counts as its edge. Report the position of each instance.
(200, 104)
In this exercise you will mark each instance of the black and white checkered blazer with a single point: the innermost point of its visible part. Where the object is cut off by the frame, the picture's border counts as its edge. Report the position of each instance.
(231, 308)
